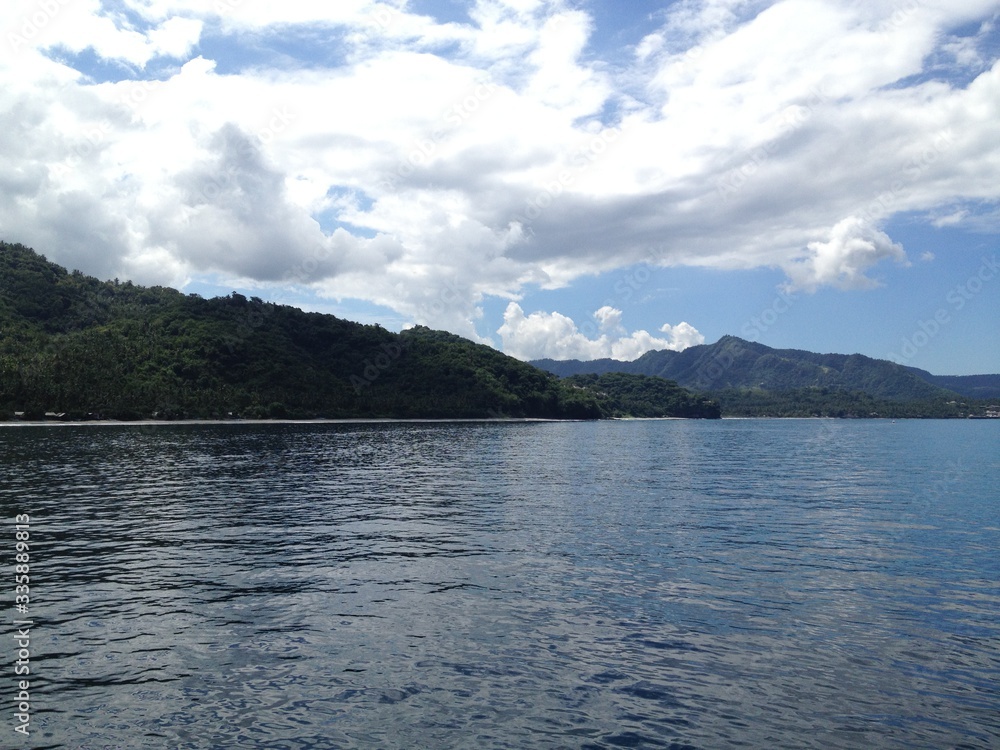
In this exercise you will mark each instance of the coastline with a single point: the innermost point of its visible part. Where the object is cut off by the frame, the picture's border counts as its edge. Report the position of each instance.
(16, 423)
(351, 420)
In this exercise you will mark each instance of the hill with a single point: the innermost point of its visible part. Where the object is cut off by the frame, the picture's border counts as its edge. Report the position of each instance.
(983, 387)
(732, 362)
(74, 345)
(751, 379)
(625, 395)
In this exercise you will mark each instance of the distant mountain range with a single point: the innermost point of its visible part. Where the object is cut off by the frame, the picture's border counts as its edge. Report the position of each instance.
(736, 364)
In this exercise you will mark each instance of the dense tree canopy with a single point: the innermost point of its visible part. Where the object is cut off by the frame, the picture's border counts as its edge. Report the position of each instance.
(733, 364)
(72, 344)
(832, 402)
(626, 395)
(748, 379)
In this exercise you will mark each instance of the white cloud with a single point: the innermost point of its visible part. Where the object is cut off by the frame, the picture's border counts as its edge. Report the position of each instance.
(682, 336)
(951, 219)
(609, 318)
(434, 164)
(555, 336)
(78, 25)
(176, 36)
(854, 246)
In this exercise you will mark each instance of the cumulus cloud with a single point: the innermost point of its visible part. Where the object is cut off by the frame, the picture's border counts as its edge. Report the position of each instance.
(853, 247)
(426, 166)
(87, 24)
(555, 336)
(230, 211)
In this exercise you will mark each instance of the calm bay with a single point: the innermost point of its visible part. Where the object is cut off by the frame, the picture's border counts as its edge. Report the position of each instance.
(677, 584)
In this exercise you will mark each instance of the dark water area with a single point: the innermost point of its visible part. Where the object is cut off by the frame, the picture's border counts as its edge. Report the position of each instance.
(661, 584)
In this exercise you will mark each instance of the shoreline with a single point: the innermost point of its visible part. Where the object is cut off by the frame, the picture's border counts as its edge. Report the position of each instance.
(16, 423)
(187, 422)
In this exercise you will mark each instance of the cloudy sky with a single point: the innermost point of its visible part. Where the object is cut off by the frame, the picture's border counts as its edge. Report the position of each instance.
(563, 178)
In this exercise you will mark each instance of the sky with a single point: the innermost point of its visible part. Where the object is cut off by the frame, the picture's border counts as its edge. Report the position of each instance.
(555, 178)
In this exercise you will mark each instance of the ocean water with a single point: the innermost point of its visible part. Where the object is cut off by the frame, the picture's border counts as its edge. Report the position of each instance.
(630, 584)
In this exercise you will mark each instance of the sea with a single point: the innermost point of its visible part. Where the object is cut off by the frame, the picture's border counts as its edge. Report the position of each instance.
(617, 584)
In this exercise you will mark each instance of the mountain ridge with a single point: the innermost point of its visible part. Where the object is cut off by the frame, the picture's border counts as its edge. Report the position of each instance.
(734, 363)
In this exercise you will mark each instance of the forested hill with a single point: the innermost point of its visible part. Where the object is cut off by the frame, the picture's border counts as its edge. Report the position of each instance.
(71, 344)
(626, 395)
(732, 363)
(969, 386)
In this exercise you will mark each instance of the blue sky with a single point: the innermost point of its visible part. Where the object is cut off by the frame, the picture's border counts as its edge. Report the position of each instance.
(561, 178)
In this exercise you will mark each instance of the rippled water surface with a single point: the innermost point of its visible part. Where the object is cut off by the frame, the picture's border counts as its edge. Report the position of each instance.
(734, 584)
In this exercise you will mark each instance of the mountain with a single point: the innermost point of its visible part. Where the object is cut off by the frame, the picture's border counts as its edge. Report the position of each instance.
(750, 379)
(733, 363)
(983, 387)
(71, 344)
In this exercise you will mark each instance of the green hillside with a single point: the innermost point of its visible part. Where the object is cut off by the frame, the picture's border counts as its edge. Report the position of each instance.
(984, 387)
(71, 344)
(732, 363)
(750, 379)
(625, 395)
